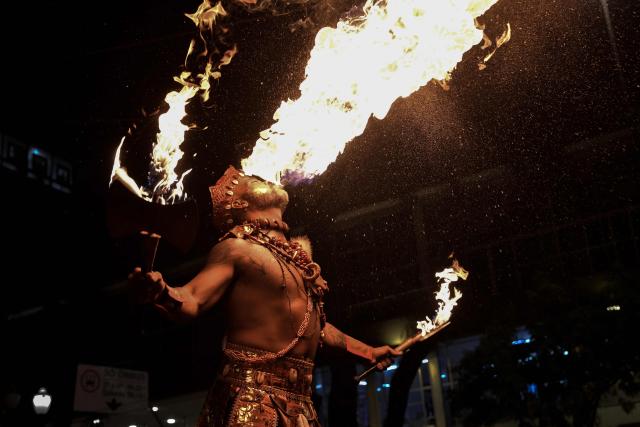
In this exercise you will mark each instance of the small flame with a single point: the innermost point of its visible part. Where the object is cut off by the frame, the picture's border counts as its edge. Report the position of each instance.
(205, 16)
(357, 70)
(116, 162)
(120, 173)
(446, 302)
(504, 37)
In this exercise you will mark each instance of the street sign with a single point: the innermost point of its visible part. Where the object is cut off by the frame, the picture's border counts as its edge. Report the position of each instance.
(110, 390)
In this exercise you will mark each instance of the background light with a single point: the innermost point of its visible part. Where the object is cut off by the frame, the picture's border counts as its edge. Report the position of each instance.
(521, 341)
(42, 401)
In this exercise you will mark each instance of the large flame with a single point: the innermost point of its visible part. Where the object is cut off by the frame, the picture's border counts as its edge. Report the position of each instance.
(166, 151)
(446, 302)
(357, 70)
(165, 186)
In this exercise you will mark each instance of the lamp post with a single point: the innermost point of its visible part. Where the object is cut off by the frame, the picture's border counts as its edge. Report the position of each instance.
(41, 401)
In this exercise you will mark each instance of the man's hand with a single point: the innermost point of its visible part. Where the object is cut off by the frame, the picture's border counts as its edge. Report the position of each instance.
(145, 287)
(383, 356)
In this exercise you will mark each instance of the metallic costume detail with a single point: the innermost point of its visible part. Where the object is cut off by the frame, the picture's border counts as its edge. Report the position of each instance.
(224, 200)
(230, 206)
(268, 224)
(291, 252)
(264, 394)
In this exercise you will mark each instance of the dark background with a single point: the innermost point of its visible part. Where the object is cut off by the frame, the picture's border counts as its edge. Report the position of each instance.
(546, 137)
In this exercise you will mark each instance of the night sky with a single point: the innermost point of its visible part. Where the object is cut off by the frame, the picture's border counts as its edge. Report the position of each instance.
(76, 79)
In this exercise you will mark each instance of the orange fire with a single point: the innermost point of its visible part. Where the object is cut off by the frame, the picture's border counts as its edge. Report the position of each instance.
(167, 186)
(357, 70)
(446, 302)
(504, 37)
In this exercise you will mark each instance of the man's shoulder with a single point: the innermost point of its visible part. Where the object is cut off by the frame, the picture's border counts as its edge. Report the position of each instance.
(231, 242)
(229, 249)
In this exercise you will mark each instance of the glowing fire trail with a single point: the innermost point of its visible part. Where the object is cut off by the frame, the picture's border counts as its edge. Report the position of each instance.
(357, 70)
(429, 327)
(166, 152)
(164, 185)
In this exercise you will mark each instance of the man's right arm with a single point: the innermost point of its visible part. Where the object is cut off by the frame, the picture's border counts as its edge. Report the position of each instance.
(381, 356)
(202, 292)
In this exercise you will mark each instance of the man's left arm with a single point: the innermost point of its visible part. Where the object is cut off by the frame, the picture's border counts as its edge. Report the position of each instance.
(381, 356)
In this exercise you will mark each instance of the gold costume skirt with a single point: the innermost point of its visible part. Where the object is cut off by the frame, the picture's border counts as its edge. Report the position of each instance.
(260, 394)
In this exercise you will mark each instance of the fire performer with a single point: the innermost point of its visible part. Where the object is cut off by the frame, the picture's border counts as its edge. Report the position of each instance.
(274, 307)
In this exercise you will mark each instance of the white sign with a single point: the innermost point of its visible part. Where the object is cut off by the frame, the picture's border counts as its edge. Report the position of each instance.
(104, 389)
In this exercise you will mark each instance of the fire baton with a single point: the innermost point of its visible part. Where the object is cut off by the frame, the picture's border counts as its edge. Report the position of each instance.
(409, 342)
(149, 249)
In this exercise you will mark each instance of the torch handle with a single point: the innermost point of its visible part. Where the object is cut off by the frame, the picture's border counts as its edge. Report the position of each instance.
(149, 248)
(402, 347)
(409, 342)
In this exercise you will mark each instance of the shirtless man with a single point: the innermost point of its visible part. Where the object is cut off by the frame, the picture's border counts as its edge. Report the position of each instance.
(274, 309)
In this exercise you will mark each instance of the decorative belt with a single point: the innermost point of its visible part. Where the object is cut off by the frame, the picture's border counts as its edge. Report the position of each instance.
(289, 374)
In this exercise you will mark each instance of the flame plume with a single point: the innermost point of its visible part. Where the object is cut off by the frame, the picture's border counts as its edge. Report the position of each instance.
(166, 151)
(164, 185)
(357, 70)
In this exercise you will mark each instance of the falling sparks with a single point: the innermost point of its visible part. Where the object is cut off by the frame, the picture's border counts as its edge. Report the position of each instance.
(357, 70)
(446, 302)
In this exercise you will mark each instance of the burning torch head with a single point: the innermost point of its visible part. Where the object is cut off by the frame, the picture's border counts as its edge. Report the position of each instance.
(235, 193)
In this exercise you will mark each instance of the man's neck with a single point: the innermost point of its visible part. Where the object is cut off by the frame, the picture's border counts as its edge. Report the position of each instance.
(272, 214)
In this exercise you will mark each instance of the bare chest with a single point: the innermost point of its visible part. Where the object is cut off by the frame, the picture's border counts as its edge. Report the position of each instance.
(263, 274)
